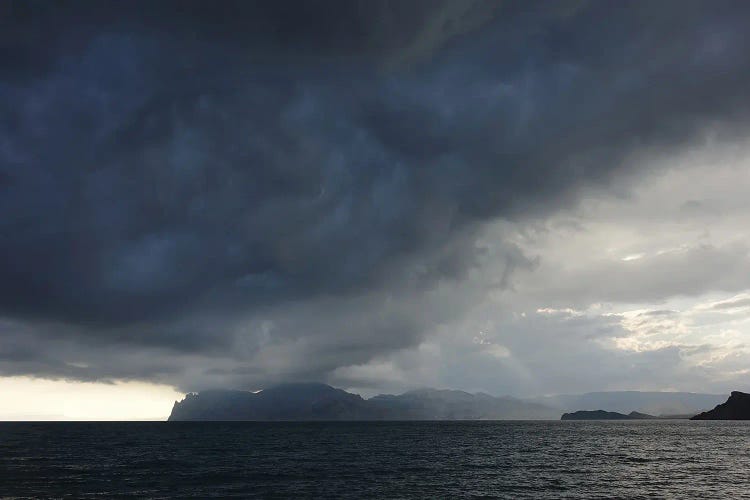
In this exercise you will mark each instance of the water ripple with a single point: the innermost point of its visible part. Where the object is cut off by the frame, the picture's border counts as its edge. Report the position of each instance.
(635, 459)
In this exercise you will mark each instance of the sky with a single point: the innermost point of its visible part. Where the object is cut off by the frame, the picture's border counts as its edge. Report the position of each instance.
(521, 198)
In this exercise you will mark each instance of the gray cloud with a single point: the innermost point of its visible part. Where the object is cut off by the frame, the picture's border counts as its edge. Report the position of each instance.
(249, 192)
(689, 271)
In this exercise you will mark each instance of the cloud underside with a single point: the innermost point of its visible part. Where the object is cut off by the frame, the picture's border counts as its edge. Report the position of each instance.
(245, 194)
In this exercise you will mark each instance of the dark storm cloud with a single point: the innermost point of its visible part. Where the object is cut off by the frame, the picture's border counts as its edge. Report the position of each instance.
(173, 174)
(36, 34)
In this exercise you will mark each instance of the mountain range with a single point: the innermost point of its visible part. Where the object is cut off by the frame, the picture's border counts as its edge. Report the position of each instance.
(313, 401)
(323, 402)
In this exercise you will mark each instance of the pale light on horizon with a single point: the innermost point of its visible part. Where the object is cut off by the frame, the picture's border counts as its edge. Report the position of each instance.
(27, 398)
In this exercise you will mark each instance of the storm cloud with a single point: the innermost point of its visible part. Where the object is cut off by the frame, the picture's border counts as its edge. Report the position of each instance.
(237, 193)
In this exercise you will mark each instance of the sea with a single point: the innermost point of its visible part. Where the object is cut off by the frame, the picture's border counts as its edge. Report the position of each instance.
(456, 459)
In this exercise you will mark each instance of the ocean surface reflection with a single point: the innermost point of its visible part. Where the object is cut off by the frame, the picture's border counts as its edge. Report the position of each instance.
(680, 459)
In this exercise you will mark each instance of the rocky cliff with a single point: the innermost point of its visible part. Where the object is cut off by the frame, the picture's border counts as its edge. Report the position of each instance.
(737, 407)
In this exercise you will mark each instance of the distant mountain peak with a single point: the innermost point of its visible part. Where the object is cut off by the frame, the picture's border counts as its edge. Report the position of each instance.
(604, 415)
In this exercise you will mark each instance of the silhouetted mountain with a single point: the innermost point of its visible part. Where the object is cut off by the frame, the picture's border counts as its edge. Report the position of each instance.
(653, 403)
(322, 402)
(605, 415)
(283, 402)
(737, 407)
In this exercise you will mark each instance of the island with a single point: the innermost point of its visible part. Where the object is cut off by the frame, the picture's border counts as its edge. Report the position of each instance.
(605, 415)
(737, 407)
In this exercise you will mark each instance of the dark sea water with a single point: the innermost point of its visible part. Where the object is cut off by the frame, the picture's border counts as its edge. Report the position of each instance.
(636, 459)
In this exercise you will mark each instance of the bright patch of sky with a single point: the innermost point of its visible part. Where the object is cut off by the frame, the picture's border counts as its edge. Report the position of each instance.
(26, 398)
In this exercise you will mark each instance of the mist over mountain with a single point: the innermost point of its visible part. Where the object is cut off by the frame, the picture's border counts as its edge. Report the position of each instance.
(436, 404)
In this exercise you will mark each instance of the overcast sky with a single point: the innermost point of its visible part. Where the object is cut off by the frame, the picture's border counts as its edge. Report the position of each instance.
(522, 198)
